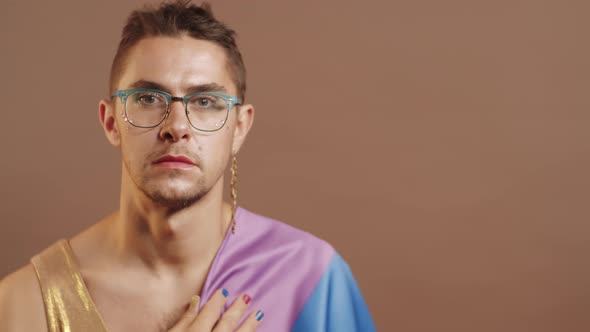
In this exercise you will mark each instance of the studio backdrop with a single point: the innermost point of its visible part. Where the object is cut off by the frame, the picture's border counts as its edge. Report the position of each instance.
(442, 147)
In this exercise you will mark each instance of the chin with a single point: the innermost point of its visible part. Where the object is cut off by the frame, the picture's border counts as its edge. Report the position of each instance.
(175, 195)
(175, 201)
(173, 190)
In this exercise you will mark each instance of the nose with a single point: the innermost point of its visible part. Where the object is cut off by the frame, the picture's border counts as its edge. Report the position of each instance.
(176, 126)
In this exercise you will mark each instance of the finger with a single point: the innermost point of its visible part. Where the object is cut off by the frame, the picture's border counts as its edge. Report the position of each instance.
(190, 313)
(231, 318)
(211, 311)
(252, 322)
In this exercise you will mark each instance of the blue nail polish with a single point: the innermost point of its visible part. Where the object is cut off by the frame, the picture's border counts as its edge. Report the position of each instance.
(259, 315)
(224, 292)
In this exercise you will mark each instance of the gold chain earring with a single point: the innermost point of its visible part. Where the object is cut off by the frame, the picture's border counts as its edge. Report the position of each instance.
(234, 192)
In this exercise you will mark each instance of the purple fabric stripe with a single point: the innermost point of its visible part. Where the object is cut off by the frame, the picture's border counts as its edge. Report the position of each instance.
(276, 264)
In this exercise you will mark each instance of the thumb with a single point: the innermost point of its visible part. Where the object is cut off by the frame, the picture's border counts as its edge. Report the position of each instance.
(190, 313)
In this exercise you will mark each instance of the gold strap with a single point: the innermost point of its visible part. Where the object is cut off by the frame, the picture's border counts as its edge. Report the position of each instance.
(68, 306)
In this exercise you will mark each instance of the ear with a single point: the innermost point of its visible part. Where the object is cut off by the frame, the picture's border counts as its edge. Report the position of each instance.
(106, 113)
(244, 121)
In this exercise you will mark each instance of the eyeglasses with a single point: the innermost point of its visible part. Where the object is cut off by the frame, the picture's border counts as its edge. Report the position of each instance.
(147, 108)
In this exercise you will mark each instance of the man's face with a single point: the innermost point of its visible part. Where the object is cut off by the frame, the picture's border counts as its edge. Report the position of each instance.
(177, 65)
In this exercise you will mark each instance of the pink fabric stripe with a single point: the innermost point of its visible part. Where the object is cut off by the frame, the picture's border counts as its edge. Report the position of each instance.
(276, 264)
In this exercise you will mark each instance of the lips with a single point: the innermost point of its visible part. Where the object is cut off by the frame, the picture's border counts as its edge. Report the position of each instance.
(175, 161)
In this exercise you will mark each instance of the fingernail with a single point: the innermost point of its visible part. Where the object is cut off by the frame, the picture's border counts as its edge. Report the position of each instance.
(194, 301)
(247, 299)
(224, 292)
(259, 315)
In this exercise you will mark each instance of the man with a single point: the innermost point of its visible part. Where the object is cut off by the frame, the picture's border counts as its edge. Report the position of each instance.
(175, 256)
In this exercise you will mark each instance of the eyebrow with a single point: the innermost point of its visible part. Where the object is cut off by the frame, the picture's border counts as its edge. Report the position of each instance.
(206, 87)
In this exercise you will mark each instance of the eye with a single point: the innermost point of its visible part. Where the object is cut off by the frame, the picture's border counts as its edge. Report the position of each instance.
(148, 99)
(204, 102)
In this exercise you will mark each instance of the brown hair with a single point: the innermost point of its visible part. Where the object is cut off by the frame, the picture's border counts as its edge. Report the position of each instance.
(175, 19)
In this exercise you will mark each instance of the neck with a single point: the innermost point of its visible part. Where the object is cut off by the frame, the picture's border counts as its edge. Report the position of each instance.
(146, 233)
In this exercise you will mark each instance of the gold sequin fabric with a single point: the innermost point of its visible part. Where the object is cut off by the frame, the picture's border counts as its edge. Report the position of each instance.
(68, 305)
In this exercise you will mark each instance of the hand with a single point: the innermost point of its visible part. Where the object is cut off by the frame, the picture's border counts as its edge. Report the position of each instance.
(208, 319)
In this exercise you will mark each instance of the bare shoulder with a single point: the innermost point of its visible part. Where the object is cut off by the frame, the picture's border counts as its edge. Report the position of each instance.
(21, 303)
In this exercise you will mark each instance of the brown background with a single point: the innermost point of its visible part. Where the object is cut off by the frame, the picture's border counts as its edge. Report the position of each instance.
(440, 146)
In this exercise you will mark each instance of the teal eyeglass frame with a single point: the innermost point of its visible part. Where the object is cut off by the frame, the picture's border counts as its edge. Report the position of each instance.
(230, 100)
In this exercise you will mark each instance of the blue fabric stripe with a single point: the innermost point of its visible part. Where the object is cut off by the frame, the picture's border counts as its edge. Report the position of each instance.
(336, 303)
